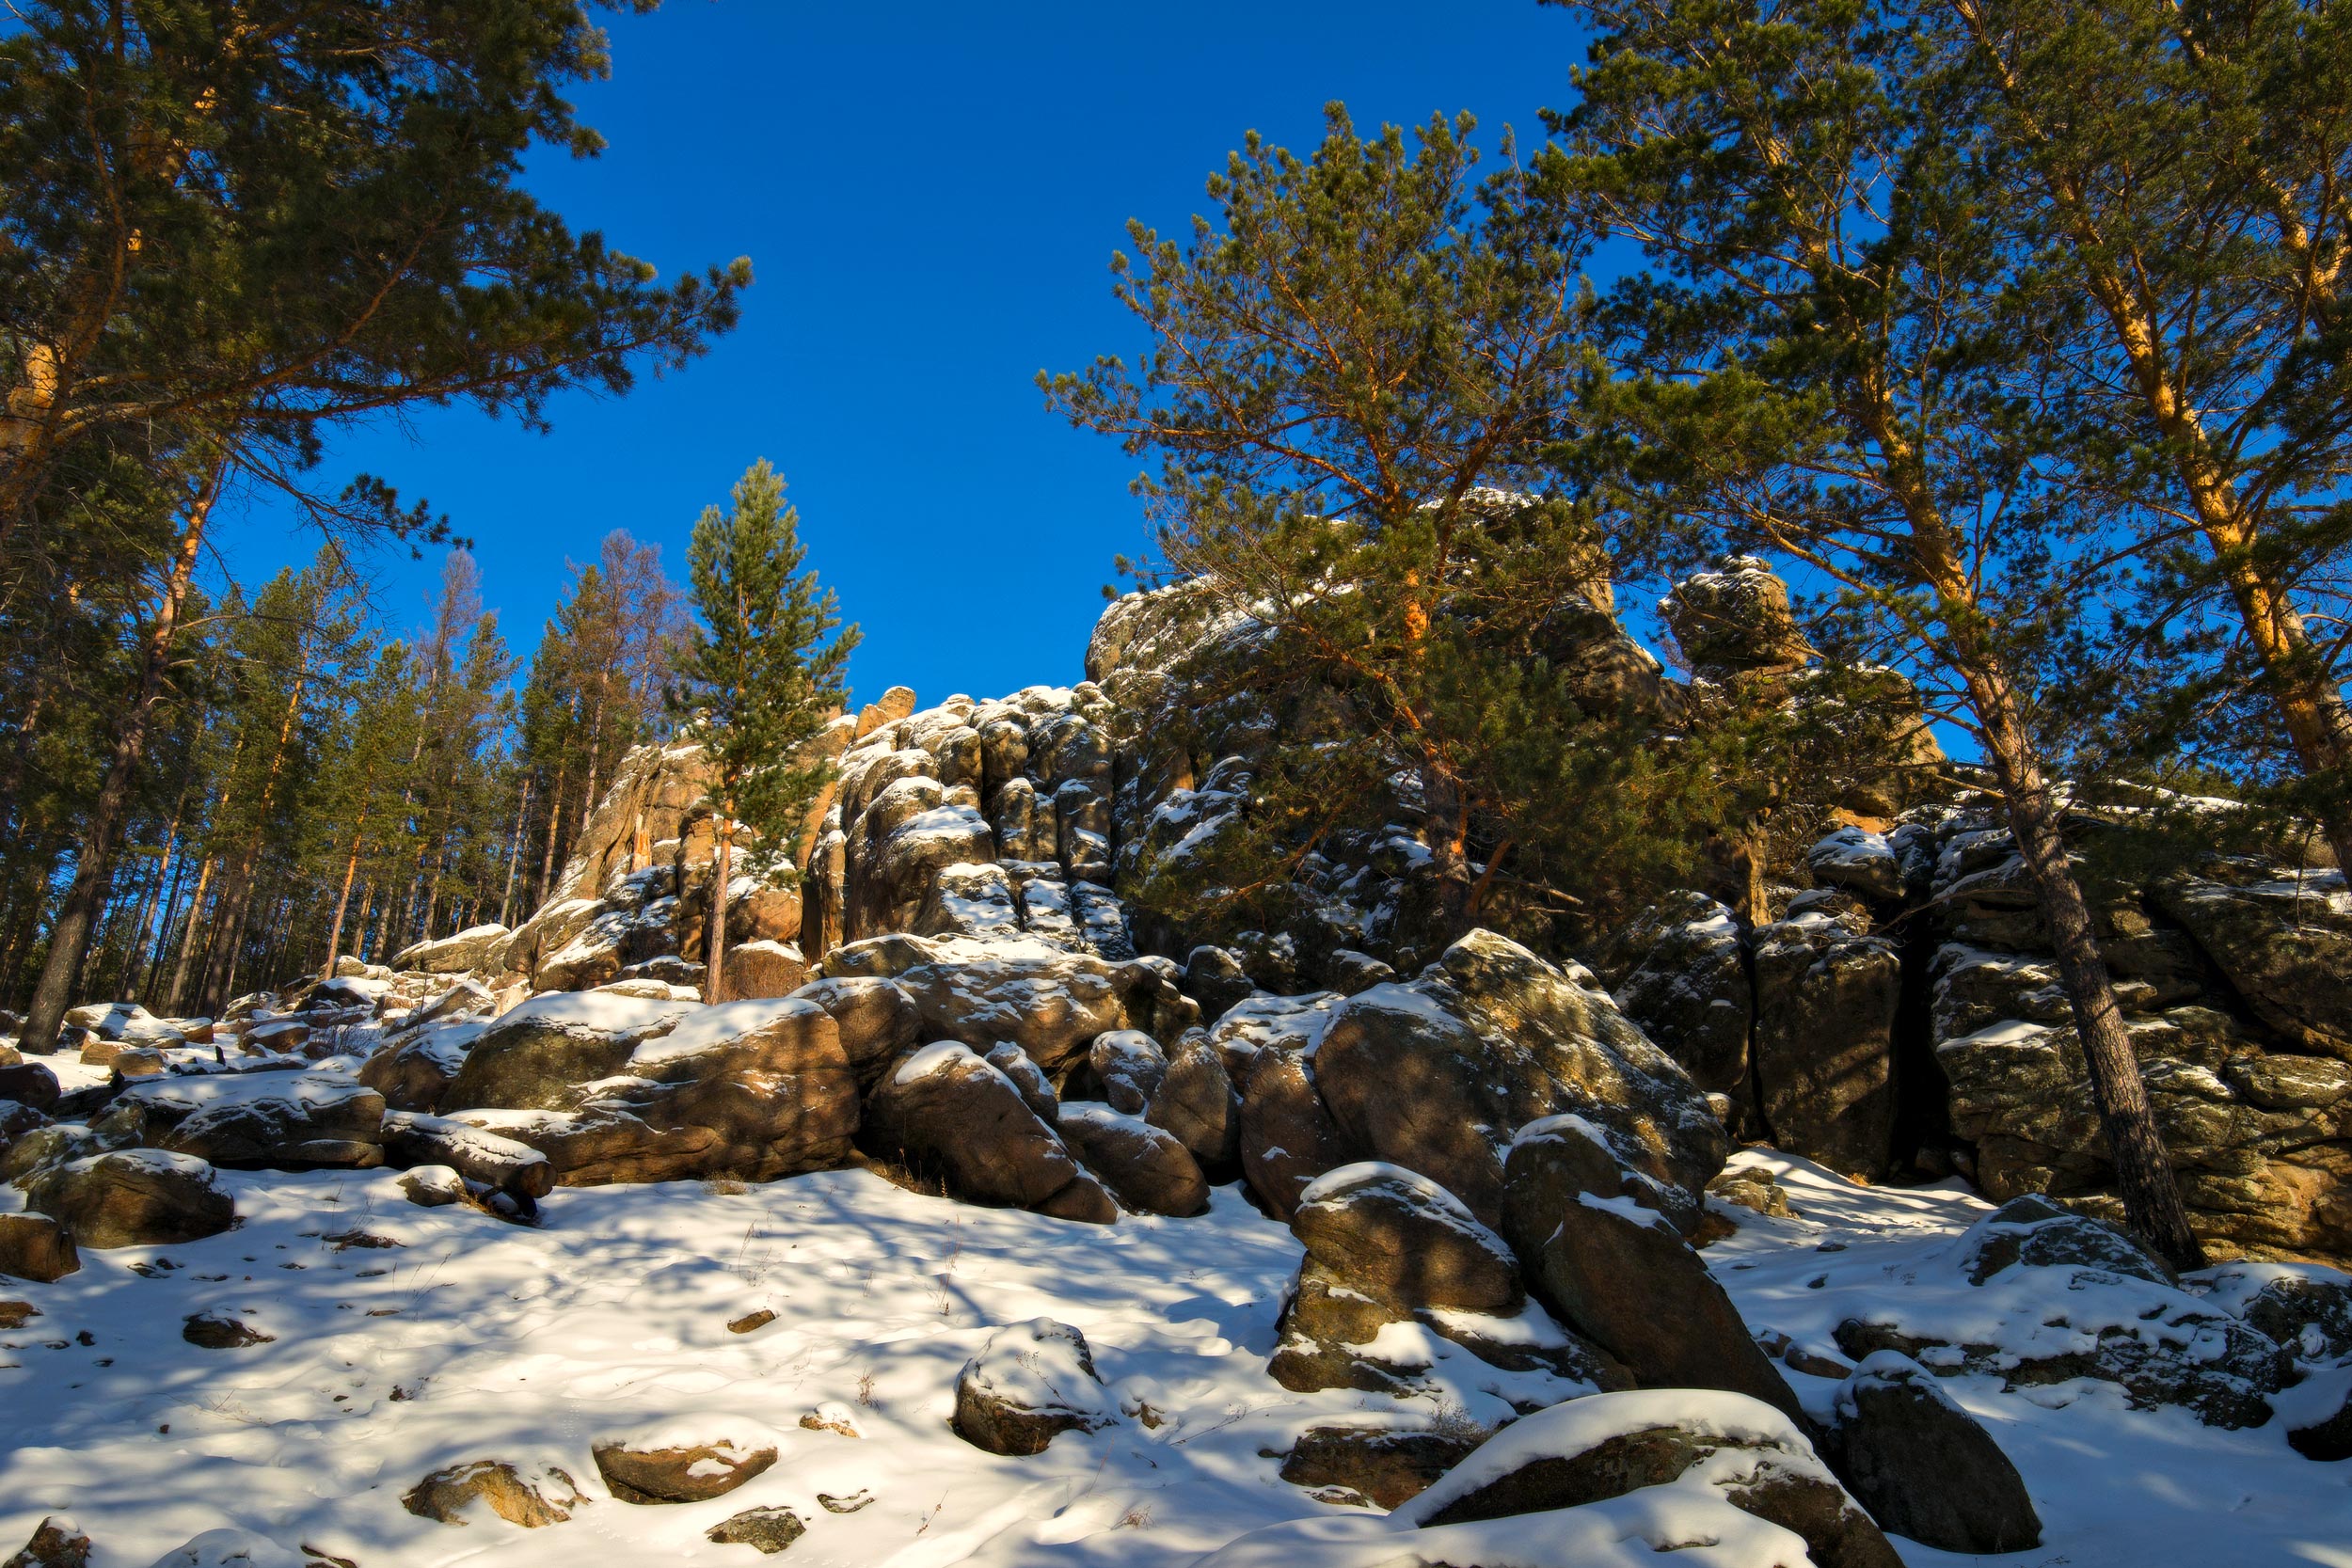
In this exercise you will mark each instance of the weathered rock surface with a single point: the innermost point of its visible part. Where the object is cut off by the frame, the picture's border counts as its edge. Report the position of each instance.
(1923, 1467)
(1196, 1103)
(477, 949)
(533, 1057)
(37, 1247)
(1436, 1075)
(1031, 1383)
(943, 1107)
(878, 1021)
(660, 1471)
(768, 1531)
(1384, 1465)
(133, 1197)
(1679, 971)
(56, 1542)
(535, 1500)
(1825, 1004)
(1148, 1170)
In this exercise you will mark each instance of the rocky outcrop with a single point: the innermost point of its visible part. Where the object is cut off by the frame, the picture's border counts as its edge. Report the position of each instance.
(1826, 995)
(1923, 1467)
(1148, 1171)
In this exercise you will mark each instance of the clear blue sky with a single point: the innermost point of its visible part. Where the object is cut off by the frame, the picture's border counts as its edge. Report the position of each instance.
(930, 193)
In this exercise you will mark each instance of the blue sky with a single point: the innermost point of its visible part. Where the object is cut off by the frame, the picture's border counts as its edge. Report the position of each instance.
(931, 194)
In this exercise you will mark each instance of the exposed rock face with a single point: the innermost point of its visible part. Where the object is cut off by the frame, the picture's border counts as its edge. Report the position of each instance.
(1196, 1103)
(2285, 942)
(135, 1197)
(1735, 619)
(1052, 1006)
(535, 1056)
(1384, 1465)
(1825, 1003)
(290, 1121)
(56, 1542)
(1680, 973)
(502, 1164)
(1741, 1452)
(1923, 1467)
(533, 1501)
(1436, 1075)
(946, 1108)
(1031, 1383)
(877, 1021)
(667, 1472)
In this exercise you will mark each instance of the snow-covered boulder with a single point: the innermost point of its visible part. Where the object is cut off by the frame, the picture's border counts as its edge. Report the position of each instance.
(35, 1247)
(1030, 1382)
(131, 1197)
(877, 1021)
(1130, 1066)
(545, 1496)
(534, 1057)
(1195, 1101)
(676, 1466)
(476, 949)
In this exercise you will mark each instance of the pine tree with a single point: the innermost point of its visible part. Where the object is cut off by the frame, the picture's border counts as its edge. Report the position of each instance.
(1824, 368)
(757, 682)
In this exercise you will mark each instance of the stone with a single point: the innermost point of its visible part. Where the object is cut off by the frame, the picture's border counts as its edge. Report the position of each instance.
(1053, 1007)
(755, 1090)
(764, 1530)
(1679, 971)
(30, 1084)
(898, 848)
(464, 997)
(945, 1108)
(1621, 1275)
(668, 1472)
(1923, 1467)
(1406, 1242)
(57, 1542)
(2032, 1231)
(1436, 1074)
(1031, 1383)
(145, 1062)
(544, 1498)
(476, 949)
(1736, 618)
(217, 1330)
(37, 1247)
(968, 900)
(1386, 1465)
(1214, 978)
(291, 1121)
(1287, 1136)
(1196, 1103)
(234, 1548)
(1027, 1076)
(532, 1057)
(135, 1197)
(2285, 944)
(2308, 1310)
(762, 968)
(1148, 1170)
(878, 1021)
(16, 1121)
(434, 1186)
(2323, 1434)
(1825, 1003)
(1859, 861)
(412, 1071)
(1130, 1066)
(1751, 1455)
(469, 1155)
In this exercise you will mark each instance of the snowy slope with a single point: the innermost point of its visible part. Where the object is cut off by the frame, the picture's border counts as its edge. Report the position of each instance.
(476, 1340)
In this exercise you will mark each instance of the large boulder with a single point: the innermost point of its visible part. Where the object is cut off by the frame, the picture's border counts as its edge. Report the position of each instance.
(414, 1069)
(1923, 1467)
(478, 949)
(1718, 1447)
(676, 1468)
(413, 1140)
(1287, 1136)
(1825, 1003)
(1438, 1074)
(1616, 1270)
(900, 843)
(535, 1056)
(1130, 1066)
(1031, 1383)
(755, 1090)
(291, 1121)
(1386, 1245)
(1195, 1101)
(943, 1107)
(878, 1021)
(131, 1197)
(1735, 619)
(762, 968)
(1148, 1171)
(37, 1247)
(1053, 1006)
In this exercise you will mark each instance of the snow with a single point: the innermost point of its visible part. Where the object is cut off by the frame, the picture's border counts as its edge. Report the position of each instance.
(315, 1090)
(938, 1057)
(704, 1027)
(601, 1012)
(527, 1344)
(1285, 1023)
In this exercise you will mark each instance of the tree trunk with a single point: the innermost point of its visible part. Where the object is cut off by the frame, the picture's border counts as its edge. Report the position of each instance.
(514, 854)
(178, 996)
(70, 934)
(342, 899)
(715, 941)
(555, 824)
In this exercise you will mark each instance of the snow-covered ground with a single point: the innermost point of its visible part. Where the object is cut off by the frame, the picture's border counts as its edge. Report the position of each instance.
(472, 1338)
